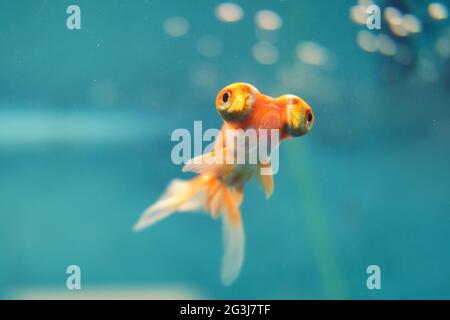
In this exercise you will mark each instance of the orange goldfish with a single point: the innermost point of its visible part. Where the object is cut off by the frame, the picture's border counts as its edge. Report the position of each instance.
(218, 188)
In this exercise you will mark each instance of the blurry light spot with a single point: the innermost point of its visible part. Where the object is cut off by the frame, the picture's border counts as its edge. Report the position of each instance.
(203, 74)
(176, 26)
(396, 21)
(392, 15)
(367, 41)
(265, 53)
(397, 24)
(299, 76)
(268, 20)
(358, 14)
(411, 23)
(399, 30)
(312, 53)
(386, 45)
(438, 11)
(229, 12)
(209, 46)
(443, 47)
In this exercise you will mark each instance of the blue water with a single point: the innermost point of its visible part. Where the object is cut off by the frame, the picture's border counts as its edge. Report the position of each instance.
(85, 123)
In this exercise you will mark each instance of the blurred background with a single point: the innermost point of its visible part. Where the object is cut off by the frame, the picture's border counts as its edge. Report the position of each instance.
(85, 123)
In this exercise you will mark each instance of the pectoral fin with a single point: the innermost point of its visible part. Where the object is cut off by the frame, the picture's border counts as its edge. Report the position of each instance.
(266, 179)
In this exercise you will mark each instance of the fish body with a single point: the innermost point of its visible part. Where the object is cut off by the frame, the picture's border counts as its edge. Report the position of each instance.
(218, 187)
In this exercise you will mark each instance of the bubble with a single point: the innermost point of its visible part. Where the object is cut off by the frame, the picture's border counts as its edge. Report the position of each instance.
(312, 53)
(265, 53)
(229, 12)
(209, 46)
(366, 41)
(268, 20)
(437, 11)
(176, 26)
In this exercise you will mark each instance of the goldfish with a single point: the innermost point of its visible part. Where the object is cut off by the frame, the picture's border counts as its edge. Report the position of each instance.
(218, 187)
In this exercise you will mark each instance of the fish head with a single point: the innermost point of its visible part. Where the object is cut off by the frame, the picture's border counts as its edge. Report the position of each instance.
(236, 101)
(298, 114)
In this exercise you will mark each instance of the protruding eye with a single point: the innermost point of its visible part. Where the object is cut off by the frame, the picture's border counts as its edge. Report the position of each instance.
(235, 102)
(309, 117)
(225, 97)
(300, 116)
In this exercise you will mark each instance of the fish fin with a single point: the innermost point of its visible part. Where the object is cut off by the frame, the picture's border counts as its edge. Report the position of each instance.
(213, 188)
(238, 196)
(216, 204)
(233, 232)
(266, 180)
(216, 161)
(180, 195)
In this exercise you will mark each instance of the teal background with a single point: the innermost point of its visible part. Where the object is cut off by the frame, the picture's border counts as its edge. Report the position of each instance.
(85, 123)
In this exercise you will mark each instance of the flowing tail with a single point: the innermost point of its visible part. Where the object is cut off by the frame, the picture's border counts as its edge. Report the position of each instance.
(208, 193)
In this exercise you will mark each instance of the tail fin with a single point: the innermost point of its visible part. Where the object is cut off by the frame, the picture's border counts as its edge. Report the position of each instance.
(233, 233)
(205, 192)
(180, 195)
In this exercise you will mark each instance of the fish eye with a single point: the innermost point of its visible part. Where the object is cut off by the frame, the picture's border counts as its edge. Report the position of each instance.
(300, 117)
(309, 117)
(235, 101)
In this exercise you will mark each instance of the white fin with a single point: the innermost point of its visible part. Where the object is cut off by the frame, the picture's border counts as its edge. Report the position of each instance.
(213, 162)
(233, 233)
(216, 204)
(234, 251)
(266, 181)
(180, 196)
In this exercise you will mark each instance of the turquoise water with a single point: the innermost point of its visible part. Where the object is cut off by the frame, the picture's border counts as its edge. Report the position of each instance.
(85, 123)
